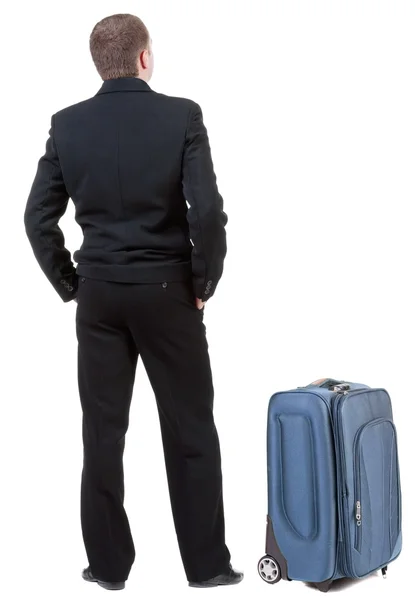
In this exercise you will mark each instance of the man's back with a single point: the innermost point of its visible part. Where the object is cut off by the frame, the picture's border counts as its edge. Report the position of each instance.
(130, 159)
(121, 154)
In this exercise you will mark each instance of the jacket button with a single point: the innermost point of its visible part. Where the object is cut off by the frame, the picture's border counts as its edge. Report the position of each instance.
(83, 279)
(164, 284)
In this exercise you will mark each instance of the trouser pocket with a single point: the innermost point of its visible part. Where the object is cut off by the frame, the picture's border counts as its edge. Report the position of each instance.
(182, 291)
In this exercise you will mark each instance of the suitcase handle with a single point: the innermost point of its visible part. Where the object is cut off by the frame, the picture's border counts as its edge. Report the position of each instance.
(331, 384)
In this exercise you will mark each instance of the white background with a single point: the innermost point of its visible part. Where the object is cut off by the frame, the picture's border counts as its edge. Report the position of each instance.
(310, 110)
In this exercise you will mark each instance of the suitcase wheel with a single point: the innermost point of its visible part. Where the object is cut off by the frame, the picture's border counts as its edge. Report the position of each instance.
(268, 569)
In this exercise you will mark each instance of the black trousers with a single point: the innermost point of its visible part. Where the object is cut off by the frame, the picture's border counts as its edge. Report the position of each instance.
(116, 323)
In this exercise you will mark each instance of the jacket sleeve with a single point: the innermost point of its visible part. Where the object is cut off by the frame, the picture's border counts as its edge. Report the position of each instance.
(47, 202)
(205, 214)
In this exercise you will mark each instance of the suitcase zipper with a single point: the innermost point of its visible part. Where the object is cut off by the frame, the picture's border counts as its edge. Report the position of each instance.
(358, 515)
(342, 492)
(344, 531)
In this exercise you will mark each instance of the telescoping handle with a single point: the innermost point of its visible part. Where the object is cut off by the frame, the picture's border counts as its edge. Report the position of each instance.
(335, 385)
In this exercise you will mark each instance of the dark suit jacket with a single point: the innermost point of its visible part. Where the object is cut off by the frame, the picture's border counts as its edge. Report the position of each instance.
(130, 159)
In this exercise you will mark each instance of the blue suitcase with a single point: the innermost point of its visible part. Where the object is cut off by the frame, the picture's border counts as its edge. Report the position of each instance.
(334, 498)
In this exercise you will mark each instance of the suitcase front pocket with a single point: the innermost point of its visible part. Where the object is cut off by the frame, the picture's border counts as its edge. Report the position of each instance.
(376, 509)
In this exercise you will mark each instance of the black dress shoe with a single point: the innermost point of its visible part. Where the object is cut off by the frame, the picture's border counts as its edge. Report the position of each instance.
(108, 585)
(230, 577)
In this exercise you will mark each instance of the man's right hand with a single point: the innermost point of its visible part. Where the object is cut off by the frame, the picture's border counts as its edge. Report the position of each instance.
(200, 304)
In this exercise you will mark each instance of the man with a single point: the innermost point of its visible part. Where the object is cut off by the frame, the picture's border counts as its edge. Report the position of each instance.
(131, 159)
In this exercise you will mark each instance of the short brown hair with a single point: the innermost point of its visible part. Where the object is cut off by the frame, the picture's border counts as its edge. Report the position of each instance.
(116, 43)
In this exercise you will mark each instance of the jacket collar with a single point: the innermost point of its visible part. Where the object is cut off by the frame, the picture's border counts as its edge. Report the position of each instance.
(124, 84)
